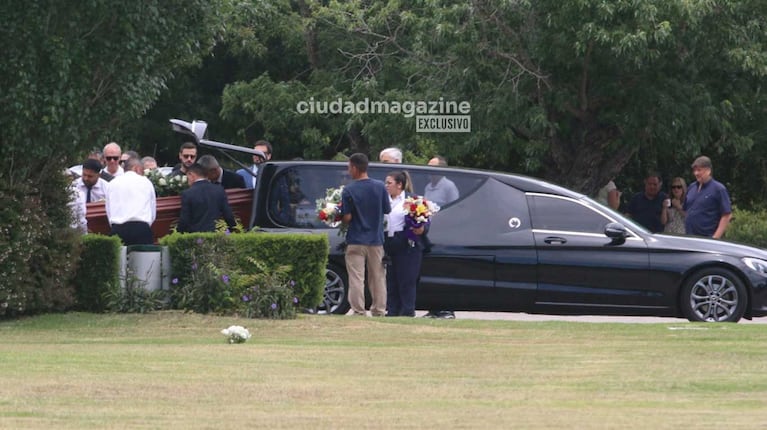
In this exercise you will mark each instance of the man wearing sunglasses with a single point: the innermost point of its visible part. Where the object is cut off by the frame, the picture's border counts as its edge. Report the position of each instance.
(112, 154)
(187, 155)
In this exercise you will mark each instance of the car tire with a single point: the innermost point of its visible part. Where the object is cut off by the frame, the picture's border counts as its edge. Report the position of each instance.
(334, 299)
(714, 295)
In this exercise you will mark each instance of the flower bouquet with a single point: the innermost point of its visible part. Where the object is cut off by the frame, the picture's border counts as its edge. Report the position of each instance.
(329, 209)
(236, 334)
(419, 212)
(166, 185)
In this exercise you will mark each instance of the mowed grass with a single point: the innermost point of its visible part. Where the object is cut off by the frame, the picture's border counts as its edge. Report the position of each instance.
(174, 370)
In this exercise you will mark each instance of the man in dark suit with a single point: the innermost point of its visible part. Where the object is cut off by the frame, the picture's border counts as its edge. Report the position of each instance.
(218, 175)
(203, 203)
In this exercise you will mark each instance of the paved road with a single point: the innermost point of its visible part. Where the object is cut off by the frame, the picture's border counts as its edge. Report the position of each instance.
(512, 316)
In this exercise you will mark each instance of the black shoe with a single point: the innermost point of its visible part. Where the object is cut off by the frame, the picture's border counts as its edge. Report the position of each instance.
(429, 314)
(448, 315)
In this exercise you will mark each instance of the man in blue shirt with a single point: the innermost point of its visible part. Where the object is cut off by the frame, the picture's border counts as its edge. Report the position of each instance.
(707, 204)
(364, 202)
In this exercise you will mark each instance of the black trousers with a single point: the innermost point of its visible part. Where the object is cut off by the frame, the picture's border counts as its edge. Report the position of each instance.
(402, 275)
(134, 233)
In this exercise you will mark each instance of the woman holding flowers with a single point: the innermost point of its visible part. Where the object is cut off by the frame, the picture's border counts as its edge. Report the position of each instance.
(403, 244)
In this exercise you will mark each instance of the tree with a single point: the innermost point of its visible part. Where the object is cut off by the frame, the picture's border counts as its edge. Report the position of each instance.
(572, 91)
(71, 76)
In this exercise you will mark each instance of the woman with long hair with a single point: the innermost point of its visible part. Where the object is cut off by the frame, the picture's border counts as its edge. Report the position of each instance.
(673, 214)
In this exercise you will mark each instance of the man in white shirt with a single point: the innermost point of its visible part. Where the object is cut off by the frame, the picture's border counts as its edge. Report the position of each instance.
(440, 190)
(131, 205)
(112, 154)
(90, 183)
(266, 148)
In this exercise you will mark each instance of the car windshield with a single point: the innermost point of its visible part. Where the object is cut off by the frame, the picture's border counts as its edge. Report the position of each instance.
(617, 216)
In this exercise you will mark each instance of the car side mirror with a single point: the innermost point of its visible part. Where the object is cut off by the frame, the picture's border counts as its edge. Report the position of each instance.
(617, 232)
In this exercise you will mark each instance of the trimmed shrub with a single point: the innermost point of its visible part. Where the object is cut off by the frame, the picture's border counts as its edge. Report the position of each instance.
(240, 273)
(748, 227)
(97, 276)
(307, 254)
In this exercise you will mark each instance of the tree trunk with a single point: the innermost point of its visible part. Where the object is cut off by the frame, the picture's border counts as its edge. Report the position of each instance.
(587, 159)
(310, 36)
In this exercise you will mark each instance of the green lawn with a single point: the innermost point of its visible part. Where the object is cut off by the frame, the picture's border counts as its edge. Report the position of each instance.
(174, 370)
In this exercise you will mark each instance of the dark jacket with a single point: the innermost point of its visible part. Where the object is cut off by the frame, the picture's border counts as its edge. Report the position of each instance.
(231, 179)
(201, 205)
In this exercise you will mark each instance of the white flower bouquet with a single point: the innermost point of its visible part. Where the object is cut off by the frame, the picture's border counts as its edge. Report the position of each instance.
(166, 185)
(236, 334)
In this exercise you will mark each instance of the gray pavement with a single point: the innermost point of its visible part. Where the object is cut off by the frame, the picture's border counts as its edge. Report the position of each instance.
(516, 316)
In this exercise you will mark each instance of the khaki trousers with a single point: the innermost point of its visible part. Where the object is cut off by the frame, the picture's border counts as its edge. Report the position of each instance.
(358, 257)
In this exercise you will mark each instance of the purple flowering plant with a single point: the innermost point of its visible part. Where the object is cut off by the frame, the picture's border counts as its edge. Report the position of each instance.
(209, 278)
(269, 293)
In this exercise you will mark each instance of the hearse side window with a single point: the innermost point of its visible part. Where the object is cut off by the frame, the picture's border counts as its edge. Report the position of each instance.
(452, 187)
(553, 213)
(292, 199)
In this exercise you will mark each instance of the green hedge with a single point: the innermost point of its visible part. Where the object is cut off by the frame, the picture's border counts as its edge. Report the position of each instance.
(38, 246)
(748, 227)
(98, 273)
(307, 255)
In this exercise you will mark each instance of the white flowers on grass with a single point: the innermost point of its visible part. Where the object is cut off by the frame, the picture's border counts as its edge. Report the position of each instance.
(236, 334)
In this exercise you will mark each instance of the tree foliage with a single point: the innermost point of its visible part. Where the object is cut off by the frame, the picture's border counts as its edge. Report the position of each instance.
(72, 74)
(574, 91)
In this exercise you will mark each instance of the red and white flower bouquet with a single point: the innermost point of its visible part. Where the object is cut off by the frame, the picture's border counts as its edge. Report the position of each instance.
(329, 209)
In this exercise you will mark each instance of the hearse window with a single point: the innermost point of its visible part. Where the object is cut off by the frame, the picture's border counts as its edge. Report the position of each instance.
(553, 213)
(450, 188)
(292, 199)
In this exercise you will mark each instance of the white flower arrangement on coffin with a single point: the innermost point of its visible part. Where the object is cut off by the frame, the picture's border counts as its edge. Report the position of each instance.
(236, 334)
(165, 186)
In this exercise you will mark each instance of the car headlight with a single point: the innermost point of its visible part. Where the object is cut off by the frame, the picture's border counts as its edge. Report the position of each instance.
(756, 265)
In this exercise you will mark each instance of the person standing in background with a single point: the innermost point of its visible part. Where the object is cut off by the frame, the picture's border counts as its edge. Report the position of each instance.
(609, 195)
(149, 163)
(390, 155)
(673, 214)
(265, 147)
(440, 189)
(112, 155)
(708, 203)
(646, 207)
(187, 155)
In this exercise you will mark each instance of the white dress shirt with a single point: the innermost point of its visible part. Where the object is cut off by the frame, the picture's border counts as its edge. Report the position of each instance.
(98, 190)
(131, 197)
(119, 171)
(395, 220)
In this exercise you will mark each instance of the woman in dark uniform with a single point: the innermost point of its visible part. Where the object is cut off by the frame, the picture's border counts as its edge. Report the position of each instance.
(405, 255)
